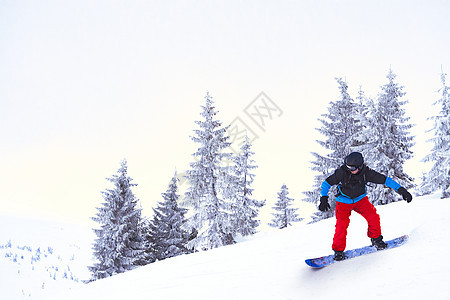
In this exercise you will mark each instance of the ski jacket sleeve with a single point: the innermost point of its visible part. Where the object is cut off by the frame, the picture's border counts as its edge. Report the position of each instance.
(375, 177)
(325, 188)
(333, 179)
(392, 184)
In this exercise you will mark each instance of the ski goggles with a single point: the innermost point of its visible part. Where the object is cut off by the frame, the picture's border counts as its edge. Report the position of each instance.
(352, 168)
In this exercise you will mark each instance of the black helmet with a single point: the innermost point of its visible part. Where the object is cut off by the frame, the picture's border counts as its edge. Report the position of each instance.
(354, 161)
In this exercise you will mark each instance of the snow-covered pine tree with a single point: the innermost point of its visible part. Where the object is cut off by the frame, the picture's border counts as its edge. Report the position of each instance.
(118, 247)
(149, 255)
(438, 178)
(285, 214)
(388, 141)
(210, 212)
(363, 106)
(365, 136)
(245, 209)
(166, 230)
(339, 127)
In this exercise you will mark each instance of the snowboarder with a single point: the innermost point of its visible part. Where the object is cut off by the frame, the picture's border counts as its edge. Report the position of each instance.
(351, 178)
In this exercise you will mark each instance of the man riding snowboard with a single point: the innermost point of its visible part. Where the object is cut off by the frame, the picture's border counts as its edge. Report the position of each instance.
(351, 179)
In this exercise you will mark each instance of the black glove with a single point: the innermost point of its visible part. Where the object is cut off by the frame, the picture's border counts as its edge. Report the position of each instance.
(324, 206)
(405, 194)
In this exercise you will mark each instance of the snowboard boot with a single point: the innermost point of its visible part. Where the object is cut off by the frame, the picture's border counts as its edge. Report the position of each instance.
(339, 255)
(379, 243)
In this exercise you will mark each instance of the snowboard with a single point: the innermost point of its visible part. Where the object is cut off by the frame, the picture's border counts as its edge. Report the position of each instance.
(324, 261)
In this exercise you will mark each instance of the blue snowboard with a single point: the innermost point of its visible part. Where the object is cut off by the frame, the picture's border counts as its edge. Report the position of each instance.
(324, 261)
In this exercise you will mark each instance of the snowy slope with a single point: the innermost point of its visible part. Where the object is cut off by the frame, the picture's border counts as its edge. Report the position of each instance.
(271, 265)
(38, 256)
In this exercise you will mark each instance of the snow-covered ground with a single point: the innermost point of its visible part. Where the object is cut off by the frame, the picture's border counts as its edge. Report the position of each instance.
(269, 265)
(38, 256)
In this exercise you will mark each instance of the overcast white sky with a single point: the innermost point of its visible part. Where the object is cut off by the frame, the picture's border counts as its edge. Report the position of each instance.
(84, 84)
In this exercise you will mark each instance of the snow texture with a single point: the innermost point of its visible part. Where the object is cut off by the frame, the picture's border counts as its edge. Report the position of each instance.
(42, 256)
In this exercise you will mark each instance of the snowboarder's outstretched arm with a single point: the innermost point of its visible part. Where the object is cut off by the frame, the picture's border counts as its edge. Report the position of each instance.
(375, 177)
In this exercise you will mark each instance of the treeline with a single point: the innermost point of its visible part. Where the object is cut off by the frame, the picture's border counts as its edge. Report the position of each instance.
(217, 207)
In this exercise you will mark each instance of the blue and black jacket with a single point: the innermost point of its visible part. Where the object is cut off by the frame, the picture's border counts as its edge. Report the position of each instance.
(352, 187)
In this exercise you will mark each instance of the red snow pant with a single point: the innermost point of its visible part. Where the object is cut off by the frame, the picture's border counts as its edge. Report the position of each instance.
(343, 212)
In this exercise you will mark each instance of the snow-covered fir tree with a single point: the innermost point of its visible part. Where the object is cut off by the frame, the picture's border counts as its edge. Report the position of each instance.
(438, 178)
(206, 177)
(118, 247)
(363, 107)
(166, 231)
(339, 127)
(244, 208)
(388, 141)
(149, 255)
(285, 215)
